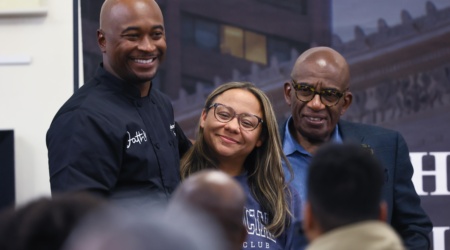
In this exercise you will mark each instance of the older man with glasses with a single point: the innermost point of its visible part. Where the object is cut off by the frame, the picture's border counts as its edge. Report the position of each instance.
(318, 95)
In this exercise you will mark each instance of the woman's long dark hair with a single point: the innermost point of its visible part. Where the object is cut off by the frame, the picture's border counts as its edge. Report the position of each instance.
(263, 164)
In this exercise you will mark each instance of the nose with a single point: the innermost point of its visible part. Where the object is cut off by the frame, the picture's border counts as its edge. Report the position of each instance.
(233, 124)
(146, 44)
(316, 103)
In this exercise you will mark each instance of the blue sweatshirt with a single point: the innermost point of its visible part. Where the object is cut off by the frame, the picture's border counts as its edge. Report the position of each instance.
(254, 216)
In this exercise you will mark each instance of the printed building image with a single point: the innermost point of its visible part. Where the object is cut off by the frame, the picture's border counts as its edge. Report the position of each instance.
(400, 79)
(208, 39)
(210, 42)
(400, 75)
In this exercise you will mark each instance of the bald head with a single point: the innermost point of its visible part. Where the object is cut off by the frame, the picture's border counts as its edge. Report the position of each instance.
(318, 72)
(132, 40)
(212, 190)
(218, 194)
(322, 60)
(113, 9)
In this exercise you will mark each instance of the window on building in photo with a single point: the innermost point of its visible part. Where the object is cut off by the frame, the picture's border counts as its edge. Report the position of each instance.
(255, 47)
(281, 48)
(232, 41)
(237, 41)
(244, 44)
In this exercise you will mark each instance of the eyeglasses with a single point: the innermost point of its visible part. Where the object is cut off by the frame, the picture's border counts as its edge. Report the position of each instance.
(305, 93)
(226, 114)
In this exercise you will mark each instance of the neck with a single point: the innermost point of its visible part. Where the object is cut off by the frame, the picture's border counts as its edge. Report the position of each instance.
(232, 168)
(310, 145)
(144, 88)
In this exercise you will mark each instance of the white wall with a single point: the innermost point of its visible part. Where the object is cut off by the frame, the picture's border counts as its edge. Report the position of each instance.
(30, 95)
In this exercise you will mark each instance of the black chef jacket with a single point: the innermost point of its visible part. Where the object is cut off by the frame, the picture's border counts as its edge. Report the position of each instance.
(109, 140)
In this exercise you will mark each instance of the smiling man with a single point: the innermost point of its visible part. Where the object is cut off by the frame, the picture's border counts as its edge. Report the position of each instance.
(318, 94)
(116, 136)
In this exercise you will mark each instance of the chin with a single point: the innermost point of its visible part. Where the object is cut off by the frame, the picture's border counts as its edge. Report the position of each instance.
(316, 136)
(144, 78)
(226, 153)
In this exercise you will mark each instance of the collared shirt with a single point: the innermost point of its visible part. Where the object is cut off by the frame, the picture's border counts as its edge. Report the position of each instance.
(299, 159)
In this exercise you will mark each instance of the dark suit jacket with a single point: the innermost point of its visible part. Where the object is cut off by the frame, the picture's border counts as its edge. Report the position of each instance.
(404, 211)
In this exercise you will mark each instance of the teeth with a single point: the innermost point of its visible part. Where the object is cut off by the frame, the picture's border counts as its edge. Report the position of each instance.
(144, 61)
(315, 119)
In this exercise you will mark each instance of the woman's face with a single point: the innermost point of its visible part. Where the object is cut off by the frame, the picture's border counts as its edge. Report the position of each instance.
(230, 140)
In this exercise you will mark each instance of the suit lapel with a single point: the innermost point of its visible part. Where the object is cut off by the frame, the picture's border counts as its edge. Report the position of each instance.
(350, 133)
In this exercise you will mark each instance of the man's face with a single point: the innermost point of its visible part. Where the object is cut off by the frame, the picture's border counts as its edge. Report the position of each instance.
(314, 121)
(133, 41)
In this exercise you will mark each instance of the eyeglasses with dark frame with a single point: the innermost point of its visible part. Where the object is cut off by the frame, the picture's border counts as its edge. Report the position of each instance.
(225, 114)
(305, 93)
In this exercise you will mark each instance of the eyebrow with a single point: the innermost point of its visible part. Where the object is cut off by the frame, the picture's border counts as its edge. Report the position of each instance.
(136, 28)
(312, 85)
(302, 83)
(246, 113)
(158, 26)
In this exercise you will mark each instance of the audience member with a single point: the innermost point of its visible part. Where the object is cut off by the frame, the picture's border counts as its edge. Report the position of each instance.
(116, 136)
(238, 134)
(115, 228)
(318, 95)
(344, 208)
(219, 195)
(45, 223)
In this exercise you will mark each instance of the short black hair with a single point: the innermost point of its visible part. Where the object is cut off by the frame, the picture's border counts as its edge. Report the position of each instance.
(344, 185)
(46, 222)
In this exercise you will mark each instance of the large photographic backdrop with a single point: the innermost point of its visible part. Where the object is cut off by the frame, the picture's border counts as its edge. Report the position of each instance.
(398, 51)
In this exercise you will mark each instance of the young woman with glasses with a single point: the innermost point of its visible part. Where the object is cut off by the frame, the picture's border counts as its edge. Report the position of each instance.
(238, 134)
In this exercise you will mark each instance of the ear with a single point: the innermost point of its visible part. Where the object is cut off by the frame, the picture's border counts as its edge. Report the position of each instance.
(203, 118)
(383, 211)
(348, 97)
(310, 226)
(260, 141)
(287, 93)
(101, 40)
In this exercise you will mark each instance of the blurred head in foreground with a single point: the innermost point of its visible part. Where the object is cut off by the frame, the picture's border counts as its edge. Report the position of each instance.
(219, 195)
(45, 223)
(116, 228)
